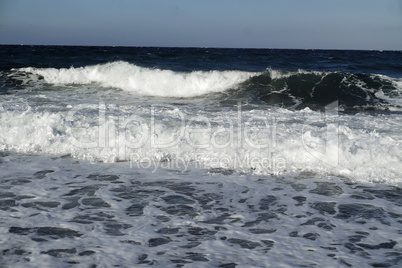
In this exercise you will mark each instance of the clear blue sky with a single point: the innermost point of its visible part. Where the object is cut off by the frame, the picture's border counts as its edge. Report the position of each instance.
(335, 24)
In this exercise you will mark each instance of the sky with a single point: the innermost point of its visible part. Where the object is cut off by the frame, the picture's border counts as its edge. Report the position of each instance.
(305, 24)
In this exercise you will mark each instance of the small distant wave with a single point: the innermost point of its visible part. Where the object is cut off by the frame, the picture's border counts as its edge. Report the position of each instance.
(141, 80)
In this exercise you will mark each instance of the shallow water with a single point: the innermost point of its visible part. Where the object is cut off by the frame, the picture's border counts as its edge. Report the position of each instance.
(63, 212)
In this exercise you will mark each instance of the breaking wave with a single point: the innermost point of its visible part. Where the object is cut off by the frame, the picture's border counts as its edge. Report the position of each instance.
(261, 142)
(289, 89)
(141, 80)
(315, 89)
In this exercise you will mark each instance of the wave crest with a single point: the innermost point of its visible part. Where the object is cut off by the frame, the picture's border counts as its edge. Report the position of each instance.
(143, 81)
(289, 89)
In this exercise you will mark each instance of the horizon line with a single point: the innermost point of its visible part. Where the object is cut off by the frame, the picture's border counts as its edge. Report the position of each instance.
(202, 47)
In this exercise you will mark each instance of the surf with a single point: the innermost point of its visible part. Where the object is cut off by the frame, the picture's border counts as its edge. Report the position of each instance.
(275, 87)
(274, 141)
(141, 80)
(316, 89)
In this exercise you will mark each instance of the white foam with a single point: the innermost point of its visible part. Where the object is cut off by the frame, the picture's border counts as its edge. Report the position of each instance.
(360, 147)
(144, 81)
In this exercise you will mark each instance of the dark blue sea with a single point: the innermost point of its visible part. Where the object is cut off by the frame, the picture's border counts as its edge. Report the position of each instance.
(200, 157)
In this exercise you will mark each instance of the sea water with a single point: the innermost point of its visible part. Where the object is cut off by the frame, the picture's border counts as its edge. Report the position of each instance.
(200, 157)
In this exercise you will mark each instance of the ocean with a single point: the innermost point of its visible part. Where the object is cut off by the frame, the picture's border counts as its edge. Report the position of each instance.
(200, 157)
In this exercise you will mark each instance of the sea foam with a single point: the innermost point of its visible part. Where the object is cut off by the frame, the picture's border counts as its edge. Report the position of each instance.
(261, 142)
(143, 81)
